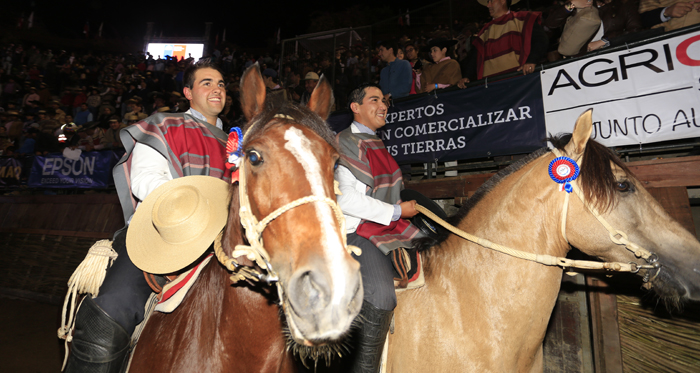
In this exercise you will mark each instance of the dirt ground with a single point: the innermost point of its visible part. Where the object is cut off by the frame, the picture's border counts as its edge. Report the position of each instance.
(28, 337)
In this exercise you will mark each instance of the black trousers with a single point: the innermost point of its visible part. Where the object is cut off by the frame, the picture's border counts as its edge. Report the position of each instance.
(377, 274)
(124, 292)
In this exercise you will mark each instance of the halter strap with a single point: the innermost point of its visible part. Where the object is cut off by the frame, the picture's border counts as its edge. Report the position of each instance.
(255, 251)
(616, 236)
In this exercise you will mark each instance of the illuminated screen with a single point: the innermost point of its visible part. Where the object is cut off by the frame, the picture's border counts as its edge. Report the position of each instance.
(176, 50)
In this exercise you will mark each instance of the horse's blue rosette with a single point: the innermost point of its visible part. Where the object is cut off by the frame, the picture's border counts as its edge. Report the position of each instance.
(563, 170)
(234, 147)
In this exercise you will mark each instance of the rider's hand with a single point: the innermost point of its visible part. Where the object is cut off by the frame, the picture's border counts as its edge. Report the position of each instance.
(408, 209)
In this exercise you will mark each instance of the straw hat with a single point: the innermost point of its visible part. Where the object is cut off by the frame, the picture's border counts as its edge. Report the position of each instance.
(177, 223)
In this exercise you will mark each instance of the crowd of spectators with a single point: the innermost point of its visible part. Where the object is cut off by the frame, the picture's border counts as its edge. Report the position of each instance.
(51, 100)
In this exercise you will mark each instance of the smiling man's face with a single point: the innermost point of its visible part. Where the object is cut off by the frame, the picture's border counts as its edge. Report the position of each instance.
(208, 93)
(372, 112)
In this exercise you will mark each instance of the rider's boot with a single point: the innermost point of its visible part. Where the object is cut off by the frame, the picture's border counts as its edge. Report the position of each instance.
(100, 344)
(368, 340)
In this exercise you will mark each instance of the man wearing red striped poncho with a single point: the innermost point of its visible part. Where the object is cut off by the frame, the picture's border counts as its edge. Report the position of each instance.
(370, 182)
(512, 41)
(159, 148)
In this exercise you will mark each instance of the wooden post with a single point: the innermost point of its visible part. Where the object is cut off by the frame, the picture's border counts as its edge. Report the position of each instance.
(605, 329)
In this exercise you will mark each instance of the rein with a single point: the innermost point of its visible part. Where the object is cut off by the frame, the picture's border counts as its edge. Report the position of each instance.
(616, 236)
(255, 251)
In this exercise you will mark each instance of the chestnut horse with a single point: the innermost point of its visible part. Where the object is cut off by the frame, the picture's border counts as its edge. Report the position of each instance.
(484, 311)
(289, 153)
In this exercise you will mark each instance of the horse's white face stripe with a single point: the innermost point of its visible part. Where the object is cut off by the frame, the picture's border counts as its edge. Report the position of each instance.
(300, 147)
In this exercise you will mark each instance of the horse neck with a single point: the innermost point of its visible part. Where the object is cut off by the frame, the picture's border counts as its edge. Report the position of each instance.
(522, 211)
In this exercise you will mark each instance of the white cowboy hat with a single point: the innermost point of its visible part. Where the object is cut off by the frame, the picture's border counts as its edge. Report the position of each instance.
(177, 223)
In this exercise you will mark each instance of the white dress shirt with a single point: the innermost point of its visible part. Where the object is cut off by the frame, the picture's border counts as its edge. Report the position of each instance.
(358, 206)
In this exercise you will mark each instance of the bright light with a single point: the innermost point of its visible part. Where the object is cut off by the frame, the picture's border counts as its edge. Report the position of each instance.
(179, 50)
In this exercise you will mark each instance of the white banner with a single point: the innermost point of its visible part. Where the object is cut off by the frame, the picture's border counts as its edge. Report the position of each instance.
(640, 95)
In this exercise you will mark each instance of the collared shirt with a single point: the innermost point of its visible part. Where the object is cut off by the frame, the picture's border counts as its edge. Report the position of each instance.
(356, 205)
(200, 116)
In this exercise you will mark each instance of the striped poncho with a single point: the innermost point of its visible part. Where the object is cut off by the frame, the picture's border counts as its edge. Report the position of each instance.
(504, 44)
(369, 161)
(191, 146)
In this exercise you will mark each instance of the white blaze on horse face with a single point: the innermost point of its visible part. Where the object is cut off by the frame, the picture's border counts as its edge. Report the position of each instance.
(300, 147)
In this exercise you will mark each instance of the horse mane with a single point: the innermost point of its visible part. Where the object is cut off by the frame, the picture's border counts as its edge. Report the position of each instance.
(597, 182)
(301, 114)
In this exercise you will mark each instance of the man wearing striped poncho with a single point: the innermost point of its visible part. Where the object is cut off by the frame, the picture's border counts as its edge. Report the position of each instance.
(158, 149)
(370, 182)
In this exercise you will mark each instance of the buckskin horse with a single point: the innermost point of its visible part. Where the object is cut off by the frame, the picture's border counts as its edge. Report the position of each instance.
(289, 156)
(484, 311)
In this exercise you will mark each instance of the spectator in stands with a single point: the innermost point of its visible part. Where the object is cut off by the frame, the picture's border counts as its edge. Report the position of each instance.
(5, 141)
(618, 18)
(445, 71)
(58, 115)
(31, 96)
(272, 85)
(395, 79)
(83, 115)
(578, 21)
(499, 49)
(671, 14)
(310, 81)
(94, 101)
(111, 138)
(13, 126)
(29, 143)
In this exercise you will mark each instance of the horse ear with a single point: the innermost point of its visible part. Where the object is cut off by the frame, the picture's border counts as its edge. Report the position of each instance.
(582, 133)
(252, 92)
(321, 99)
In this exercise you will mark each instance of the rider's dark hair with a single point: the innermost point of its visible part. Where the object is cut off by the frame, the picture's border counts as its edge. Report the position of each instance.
(204, 63)
(358, 94)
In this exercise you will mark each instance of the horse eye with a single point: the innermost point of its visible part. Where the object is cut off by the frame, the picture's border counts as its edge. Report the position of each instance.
(335, 166)
(623, 186)
(255, 158)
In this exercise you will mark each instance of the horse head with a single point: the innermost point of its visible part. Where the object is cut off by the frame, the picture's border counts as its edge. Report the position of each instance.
(669, 252)
(287, 176)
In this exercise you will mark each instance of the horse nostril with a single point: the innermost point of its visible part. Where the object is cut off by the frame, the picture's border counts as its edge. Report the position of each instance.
(311, 292)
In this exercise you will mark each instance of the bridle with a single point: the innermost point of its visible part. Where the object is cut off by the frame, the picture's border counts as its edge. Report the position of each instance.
(255, 250)
(616, 236)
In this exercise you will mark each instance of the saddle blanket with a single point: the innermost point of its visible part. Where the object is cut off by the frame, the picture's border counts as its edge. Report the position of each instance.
(174, 291)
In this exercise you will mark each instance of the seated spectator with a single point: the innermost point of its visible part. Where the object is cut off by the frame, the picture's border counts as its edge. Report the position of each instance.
(500, 50)
(272, 85)
(13, 126)
(58, 115)
(94, 101)
(395, 79)
(444, 72)
(83, 115)
(579, 20)
(670, 14)
(411, 55)
(29, 143)
(310, 81)
(618, 18)
(111, 138)
(5, 141)
(85, 142)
